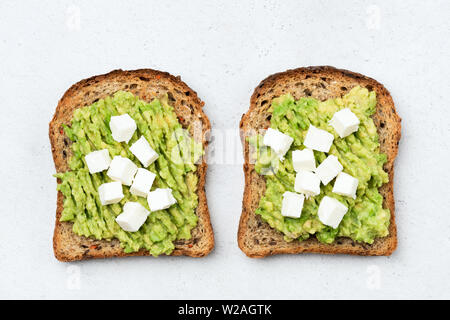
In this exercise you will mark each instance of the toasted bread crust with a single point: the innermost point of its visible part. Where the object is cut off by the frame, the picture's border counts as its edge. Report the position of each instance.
(255, 237)
(147, 84)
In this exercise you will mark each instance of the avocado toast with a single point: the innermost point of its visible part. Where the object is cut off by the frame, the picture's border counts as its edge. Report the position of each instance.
(138, 92)
(313, 88)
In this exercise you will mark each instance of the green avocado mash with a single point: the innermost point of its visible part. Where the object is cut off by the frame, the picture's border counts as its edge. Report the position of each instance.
(175, 168)
(358, 153)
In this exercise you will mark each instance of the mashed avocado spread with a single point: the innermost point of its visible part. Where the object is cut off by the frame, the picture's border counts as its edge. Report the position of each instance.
(359, 154)
(175, 168)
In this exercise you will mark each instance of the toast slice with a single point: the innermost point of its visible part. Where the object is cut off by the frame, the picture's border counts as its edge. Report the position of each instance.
(147, 84)
(255, 237)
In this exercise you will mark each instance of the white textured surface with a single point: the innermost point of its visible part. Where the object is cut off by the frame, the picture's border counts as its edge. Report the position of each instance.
(223, 49)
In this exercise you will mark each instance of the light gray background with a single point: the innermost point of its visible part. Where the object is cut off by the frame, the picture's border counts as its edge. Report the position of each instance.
(223, 49)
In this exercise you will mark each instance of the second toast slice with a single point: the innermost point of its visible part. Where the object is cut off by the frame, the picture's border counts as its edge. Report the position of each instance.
(255, 237)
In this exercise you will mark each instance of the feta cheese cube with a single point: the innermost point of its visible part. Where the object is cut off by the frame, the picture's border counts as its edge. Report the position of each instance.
(318, 139)
(142, 182)
(331, 212)
(345, 185)
(308, 183)
(292, 204)
(122, 169)
(142, 150)
(98, 161)
(160, 199)
(345, 122)
(303, 160)
(329, 169)
(122, 127)
(278, 141)
(133, 216)
(110, 193)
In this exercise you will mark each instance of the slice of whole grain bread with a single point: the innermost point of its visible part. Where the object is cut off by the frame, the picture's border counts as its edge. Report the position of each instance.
(255, 237)
(147, 84)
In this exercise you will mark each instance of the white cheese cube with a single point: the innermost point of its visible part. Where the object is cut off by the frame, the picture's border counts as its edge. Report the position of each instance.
(292, 204)
(345, 185)
(329, 169)
(331, 212)
(318, 139)
(122, 127)
(142, 182)
(345, 122)
(303, 160)
(142, 150)
(278, 141)
(122, 169)
(110, 193)
(133, 216)
(98, 161)
(160, 199)
(308, 183)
